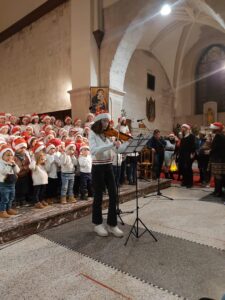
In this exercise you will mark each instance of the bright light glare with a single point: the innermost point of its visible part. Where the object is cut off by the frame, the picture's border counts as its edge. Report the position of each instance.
(165, 10)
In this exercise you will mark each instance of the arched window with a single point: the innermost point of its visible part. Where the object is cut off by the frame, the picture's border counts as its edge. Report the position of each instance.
(210, 78)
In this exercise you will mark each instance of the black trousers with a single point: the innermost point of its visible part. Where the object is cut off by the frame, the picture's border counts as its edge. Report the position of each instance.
(103, 175)
(39, 193)
(52, 187)
(85, 184)
(186, 171)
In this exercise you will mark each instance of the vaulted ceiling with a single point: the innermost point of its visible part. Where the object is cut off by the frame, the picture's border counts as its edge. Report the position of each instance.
(171, 38)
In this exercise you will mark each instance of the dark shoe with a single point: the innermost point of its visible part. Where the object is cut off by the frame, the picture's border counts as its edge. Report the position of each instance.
(189, 186)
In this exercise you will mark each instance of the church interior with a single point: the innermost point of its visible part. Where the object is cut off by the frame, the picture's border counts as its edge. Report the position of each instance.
(160, 66)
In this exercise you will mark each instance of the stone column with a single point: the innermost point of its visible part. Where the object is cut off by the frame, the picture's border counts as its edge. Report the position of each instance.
(84, 56)
(115, 103)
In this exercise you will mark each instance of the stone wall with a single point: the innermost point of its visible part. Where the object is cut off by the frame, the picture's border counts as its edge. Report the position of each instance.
(35, 66)
(136, 92)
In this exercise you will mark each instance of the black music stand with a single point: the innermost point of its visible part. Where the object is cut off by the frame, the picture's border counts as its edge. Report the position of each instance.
(119, 212)
(136, 145)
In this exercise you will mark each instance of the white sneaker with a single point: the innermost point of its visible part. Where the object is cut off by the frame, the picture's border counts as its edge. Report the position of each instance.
(115, 231)
(100, 230)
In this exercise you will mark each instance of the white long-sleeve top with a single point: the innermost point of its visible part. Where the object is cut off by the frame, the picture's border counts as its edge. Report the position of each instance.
(85, 163)
(52, 165)
(6, 168)
(39, 174)
(101, 148)
(68, 163)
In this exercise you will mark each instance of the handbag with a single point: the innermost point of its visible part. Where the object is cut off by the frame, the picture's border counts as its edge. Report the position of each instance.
(173, 166)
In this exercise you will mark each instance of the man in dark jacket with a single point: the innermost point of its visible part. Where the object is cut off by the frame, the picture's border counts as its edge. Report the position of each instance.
(157, 144)
(186, 155)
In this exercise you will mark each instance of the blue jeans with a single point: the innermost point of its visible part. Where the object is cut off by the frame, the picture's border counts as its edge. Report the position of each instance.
(67, 184)
(7, 195)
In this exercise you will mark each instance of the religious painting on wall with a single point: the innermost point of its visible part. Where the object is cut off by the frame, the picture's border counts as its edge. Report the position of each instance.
(209, 112)
(150, 109)
(99, 99)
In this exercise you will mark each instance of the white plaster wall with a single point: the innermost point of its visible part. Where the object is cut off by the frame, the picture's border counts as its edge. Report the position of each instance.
(136, 92)
(12, 11)
(35, 66)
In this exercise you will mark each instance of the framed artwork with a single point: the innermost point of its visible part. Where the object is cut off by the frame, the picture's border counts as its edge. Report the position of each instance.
(99, 99)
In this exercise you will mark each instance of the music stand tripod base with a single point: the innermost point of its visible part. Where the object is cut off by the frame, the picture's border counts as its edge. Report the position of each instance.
(158, 193)
(136, 145)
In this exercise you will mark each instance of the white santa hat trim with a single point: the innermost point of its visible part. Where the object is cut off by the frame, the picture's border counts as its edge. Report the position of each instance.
(18, 146)
(70, 145)
(68, 118)
(84, 147)
(51, 146)
(41, 147)
(4, 127)
(103, 116)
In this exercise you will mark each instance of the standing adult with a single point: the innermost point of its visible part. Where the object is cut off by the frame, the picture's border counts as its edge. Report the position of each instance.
(186, 155)
(157, 144)
(102, 175)
(217, 157)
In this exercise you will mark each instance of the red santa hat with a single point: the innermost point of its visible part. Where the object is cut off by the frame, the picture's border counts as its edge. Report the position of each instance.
(19, 143)
(16, 130)
(8, 115)
(216, 126)
(2, 115)
(13, 118)
(30, 127)
(102, 115)
(68, 144)
(186, 126)
(4, 149)
(55, 142)
(47, 127)
(45, 117)
(26, 116)
(49, 146)
(76, 120)
(68, 118)
(38, 147)
(34, 116)
(62, 132)
(4, 126)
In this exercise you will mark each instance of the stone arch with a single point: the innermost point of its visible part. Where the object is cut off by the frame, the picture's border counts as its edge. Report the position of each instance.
(134, 31)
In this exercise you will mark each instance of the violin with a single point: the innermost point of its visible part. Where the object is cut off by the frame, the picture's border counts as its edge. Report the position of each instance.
(113, 132)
